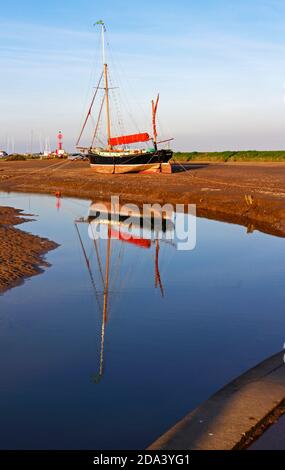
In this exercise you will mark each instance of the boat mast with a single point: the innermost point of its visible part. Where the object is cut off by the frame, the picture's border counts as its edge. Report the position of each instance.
(154, 111)
(158, 281)
(107, 275)
(105, 67)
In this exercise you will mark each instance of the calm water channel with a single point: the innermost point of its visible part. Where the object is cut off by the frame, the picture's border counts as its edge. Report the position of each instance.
(83, 371)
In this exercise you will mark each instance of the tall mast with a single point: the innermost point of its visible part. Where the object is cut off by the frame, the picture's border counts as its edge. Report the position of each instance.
(105, 66)
(154, 111)
(106, 286)
(107, 104)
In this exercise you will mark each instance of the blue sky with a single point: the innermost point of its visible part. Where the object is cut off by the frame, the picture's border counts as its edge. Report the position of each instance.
(219, 66)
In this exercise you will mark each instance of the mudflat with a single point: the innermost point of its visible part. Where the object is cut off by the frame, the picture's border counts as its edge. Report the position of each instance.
(21, 253)
(249, 194)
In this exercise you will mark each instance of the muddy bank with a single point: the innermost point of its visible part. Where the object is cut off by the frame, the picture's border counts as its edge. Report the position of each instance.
(21, 253)
(252, 195)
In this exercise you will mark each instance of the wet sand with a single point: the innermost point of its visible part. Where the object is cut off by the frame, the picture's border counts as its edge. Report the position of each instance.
(249, 194)
(21, 253)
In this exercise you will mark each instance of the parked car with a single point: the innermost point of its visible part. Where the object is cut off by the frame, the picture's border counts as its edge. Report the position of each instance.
(3, 154)
(76, 156)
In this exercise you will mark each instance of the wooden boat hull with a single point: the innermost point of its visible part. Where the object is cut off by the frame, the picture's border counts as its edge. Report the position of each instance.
(133, 163)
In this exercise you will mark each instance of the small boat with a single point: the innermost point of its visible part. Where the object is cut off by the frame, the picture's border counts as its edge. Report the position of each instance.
(119, 155)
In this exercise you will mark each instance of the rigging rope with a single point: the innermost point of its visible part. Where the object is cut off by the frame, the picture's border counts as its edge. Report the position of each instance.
(12, 178)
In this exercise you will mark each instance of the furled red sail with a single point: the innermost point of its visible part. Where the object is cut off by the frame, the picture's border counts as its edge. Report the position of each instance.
(129, 139)
(140, 242)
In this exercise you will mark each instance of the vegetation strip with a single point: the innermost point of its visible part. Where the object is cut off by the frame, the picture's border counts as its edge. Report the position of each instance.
(231, 156)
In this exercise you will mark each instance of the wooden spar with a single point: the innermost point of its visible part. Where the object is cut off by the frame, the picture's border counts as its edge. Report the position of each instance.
(88, 265)
(106, 87)
(107, 105)
(98, 121)
(106, 293)
(99, 261)
(105, 305)
(154, 111)
(97, 255)
(102, 349)
(104, 312)
(106, 288)
(89, 111)
(157, 273)
(85, 254)
(166, 140)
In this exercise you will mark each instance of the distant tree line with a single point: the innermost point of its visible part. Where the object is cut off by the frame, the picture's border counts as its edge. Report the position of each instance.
(232, 156)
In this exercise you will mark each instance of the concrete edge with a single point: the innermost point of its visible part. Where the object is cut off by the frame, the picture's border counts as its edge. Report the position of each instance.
(232, 415)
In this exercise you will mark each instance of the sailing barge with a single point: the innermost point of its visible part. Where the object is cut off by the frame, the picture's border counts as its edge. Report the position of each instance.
(117, 156)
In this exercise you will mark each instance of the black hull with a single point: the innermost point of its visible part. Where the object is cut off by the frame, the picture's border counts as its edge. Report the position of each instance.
(130, 163)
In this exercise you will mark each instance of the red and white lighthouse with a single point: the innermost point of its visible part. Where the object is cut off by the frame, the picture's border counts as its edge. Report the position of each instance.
(60, 151)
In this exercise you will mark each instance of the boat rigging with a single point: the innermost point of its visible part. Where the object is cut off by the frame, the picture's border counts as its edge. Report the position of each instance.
(118, 155)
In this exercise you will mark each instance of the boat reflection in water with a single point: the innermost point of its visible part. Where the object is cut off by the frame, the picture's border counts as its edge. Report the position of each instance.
(111, 228)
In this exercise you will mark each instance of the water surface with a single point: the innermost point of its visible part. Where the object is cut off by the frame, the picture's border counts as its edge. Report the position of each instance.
(222, 312)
